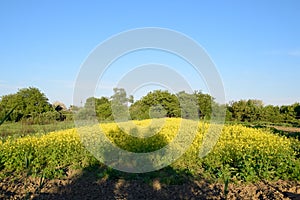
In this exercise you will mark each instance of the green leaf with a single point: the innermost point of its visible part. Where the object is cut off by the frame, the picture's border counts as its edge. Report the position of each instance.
(7, 115)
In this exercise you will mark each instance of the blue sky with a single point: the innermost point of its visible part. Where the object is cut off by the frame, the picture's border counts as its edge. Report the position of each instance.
(255, 45)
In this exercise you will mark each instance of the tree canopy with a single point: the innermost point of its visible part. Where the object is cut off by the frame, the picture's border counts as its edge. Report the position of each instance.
(31, 103)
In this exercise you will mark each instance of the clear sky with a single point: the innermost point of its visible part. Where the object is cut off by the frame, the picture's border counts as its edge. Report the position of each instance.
(255, 45)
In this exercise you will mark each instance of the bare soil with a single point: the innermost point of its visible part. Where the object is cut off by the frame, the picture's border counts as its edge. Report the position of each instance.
(82, 185)
(287, 129)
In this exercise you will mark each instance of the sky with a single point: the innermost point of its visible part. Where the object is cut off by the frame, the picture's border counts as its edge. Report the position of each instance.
(255, 45)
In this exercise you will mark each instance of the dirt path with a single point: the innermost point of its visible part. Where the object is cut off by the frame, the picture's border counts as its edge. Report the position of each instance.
(287, 129)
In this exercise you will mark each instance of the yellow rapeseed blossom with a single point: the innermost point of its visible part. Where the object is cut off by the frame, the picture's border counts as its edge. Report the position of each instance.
(236, 144)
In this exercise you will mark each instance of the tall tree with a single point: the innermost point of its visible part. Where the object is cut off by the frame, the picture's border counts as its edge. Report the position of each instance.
(188, 105)
(297, 110)
(31, 102)
(103, 109)
(205, 104)
(246, 110)
(272, 114)
(119, 105)
(156, 104)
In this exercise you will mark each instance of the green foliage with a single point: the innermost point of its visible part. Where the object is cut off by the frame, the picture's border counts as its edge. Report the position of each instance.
(241, 153)
(33, 107)
(31, 102)
(248, 111)
(205, 102)
(159, 103)
(253, 155)
(103, 109)
(49, 154)
(119, 105)
(189, 105)
(27, 127)
(7, 115)
(254, 111)
(139, 111)
(156, 104)
(164, 104)
(271, 114)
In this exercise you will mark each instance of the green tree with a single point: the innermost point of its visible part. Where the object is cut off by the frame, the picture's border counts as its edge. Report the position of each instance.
(272, 114)
(246, 110)
(297, 110)
(229, 116)
(7, 103)
(103, 109)
(291, 113)
(2, 120)
(288, 113)
(31, 103)
(139, 110)
(119, 105)
(188, 105)
(157, 103)
(205, 104)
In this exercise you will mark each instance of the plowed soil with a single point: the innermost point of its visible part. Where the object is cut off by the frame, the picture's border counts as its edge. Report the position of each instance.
(87, 186)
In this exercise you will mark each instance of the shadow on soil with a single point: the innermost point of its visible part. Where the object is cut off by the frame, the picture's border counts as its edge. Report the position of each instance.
(98, 183)
(289, 195)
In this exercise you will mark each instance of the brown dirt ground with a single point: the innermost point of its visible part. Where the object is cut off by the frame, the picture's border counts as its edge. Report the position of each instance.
(287, 129)
(86, 186)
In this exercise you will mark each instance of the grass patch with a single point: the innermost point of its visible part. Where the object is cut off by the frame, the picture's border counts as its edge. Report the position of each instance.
(20, 129)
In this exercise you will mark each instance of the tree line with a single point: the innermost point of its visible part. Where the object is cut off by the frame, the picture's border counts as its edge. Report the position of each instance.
(33, 106)
(160, 103)
(254, 110)
(155, 104)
